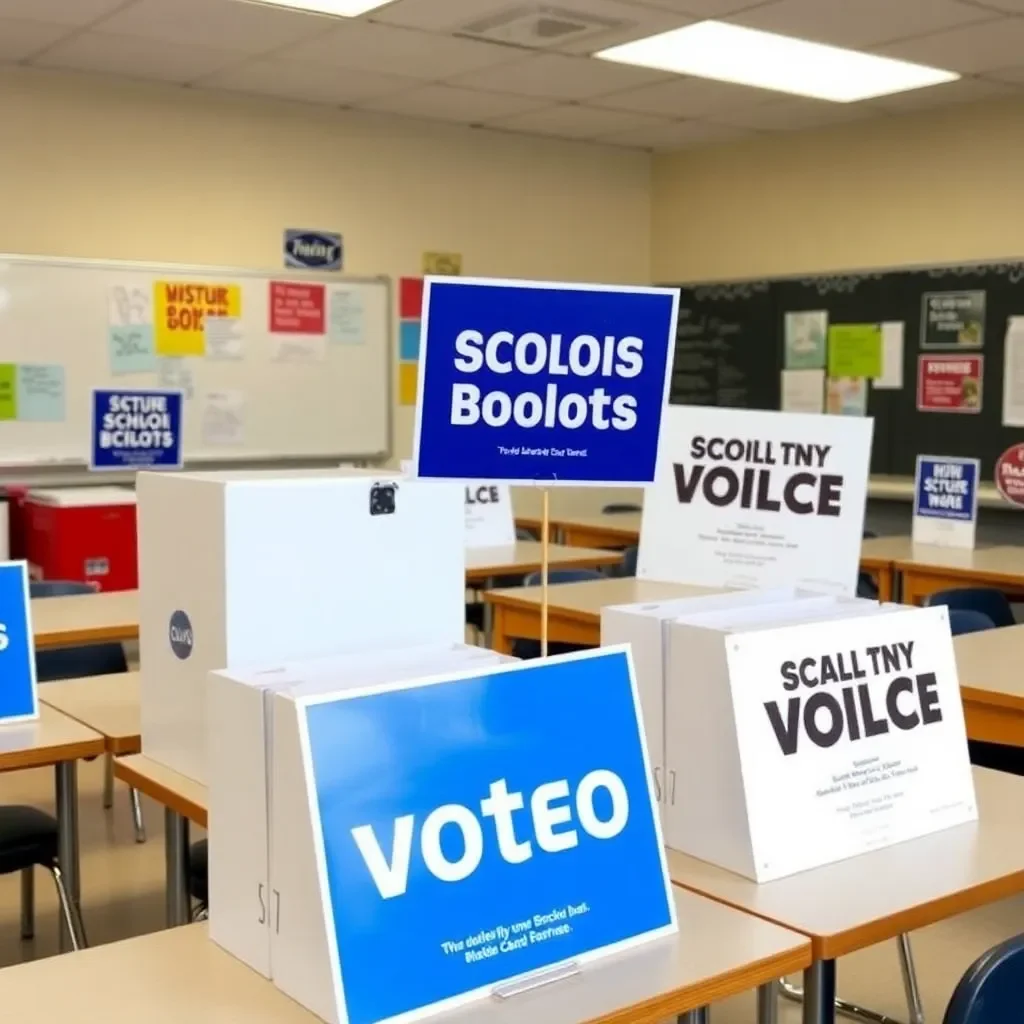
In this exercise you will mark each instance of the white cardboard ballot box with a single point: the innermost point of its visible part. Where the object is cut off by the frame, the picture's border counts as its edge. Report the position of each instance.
(812, 735)
(246, 568)
(245, 895)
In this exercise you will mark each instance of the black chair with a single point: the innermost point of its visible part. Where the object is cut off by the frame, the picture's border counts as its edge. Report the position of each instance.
(28, 839)
(198, 873)
(529, 649)
(627, 567)
(475, 609)
(987, 600)
(992, 989)
(963, 620)
(621, 508)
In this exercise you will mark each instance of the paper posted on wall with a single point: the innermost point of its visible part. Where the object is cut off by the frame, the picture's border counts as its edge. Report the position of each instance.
(1013, 373)
(803, 391)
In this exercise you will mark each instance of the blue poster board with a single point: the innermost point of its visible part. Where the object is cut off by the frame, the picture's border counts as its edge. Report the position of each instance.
(946, 501)
(470, 829)
(526, 381)
(133, 429)
(17, 647)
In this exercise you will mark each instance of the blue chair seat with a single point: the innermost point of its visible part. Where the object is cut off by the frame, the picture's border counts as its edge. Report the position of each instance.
(992, 989)
(986, 600)
(965, 620)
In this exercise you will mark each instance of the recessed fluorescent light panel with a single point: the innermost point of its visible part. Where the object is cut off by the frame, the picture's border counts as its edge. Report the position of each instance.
(339, 8)
(746, 56)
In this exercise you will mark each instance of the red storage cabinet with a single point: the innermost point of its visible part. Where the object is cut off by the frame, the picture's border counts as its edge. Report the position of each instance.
(82, 533)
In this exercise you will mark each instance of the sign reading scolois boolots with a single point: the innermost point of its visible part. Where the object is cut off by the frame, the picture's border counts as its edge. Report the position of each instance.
(472, 849)
(856, 728)
(535, 382)
(748, 499)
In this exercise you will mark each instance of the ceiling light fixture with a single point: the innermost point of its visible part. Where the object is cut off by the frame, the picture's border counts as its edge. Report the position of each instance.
(765, 60)
(337, 8)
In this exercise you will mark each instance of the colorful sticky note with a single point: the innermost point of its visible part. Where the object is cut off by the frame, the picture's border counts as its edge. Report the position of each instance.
(181, 309)
(409, 340)
(410, 298)
(408, 380)
(442, 263)
(8, 392)
(855, 350)
(40, 393)
(131, 349)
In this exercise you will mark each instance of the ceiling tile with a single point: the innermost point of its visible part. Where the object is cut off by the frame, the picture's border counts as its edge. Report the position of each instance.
(60, 12)
(363, 44)
(793, 114)
(1002, 6)
(574, 122)
(862, 23)
(688, 97)
(985, 46)
(136, 58)
(966, 90)
(242, 27)
(677, 135)
(314, 83)
(20, 39)
(1014, 75)
(701, 8)
(559, 77)
(446, 103)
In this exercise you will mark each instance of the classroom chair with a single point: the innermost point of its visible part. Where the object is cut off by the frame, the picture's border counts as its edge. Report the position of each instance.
(987, 600)
(198, 889)
(529, 649)
(628, 565)
(964, 620)
(80, 662)
(475, 608)
(620, 508)
(28, 839)
(992, 989)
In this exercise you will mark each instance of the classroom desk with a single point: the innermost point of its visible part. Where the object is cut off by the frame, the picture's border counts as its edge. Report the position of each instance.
(990, 666)
(524, 556)
(86, 618)
(616, 530)
(184, 801)
(180, 975)
(880, 895)
(926, 570)
(107, 704)
(56, 741)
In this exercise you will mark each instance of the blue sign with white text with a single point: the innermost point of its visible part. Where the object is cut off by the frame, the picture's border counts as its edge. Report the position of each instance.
(136, 430)
(479, 828)
(530, 381)
(17, 657)
(947, 489)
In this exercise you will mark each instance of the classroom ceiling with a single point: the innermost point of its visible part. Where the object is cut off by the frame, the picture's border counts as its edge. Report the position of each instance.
(471, 62)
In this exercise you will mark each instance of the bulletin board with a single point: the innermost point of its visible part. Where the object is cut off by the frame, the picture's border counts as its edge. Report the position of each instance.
(959, 330)
(273, 365)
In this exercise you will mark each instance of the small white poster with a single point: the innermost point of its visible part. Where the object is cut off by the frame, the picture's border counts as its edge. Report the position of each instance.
(856, 728)
(223, 337)
(1013, 373)
(175, 374)
(489, 520)
(744, 498)
(803, 391)
(892, 357)
(299, 348)
(223, 418)
(345, 316)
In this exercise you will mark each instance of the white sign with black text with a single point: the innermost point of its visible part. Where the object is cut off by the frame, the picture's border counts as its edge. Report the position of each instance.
(745, 498)
(489, 520)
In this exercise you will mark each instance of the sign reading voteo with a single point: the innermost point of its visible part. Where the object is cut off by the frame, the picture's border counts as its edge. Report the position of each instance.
(528, 381)
(748, 499)
(946, 501)
(856, 727)
(17, 649)
(136, 430)
(472, 849)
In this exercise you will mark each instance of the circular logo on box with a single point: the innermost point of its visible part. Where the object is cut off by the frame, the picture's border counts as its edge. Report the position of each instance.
(179, 632)
(1010, 474)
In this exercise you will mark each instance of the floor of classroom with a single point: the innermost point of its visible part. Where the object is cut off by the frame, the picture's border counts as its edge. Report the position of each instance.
(123, 896)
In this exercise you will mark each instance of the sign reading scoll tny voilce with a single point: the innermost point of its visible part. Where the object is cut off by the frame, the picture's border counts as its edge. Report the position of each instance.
(476, 831)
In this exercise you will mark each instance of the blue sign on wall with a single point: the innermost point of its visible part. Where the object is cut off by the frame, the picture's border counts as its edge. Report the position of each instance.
(537, 382)
(17, 658)
(136, 429)
(947, 488)
(313, 250)
(472, 828)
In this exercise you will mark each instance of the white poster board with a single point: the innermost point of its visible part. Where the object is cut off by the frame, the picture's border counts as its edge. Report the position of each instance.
(745, 498)
(489, 520)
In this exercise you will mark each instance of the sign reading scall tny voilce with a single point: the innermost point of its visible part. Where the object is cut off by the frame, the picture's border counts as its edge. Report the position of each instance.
(474, 848)
(751, 499)
(17, 650)
(526, 381)
(134, 430)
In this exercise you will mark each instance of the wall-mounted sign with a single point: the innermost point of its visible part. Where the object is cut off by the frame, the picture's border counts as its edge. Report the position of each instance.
(1010, 474)
(313, 250)
(950, 383)
(953, 319)
(946, 501)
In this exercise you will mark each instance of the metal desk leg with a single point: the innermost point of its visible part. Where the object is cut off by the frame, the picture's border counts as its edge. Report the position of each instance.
(701, 1016)
(66, 784)
(820, 993)
(768, 1003)
(176, 847)
(488, 615)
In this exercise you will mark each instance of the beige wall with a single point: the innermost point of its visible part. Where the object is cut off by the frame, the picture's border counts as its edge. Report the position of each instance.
(939, 187)
(95, 167)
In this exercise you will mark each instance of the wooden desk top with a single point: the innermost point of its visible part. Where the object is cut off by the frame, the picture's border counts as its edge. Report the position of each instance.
(885, 549)
(180, 975)
(858, 902)
(84, 619)
(525, 556)
(625, 523)
(108, 704)
(1005, 562)
(49, 740)
(990, 666)
(585, 600)
(165, 786)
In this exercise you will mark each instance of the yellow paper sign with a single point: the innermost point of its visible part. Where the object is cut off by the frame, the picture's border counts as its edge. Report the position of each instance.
(446, 263)
(408, 379)
(180, 312)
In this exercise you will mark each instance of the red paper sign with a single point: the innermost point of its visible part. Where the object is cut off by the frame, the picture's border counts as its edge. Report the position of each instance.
(950, 383)
(1010, 474)
(296, 308)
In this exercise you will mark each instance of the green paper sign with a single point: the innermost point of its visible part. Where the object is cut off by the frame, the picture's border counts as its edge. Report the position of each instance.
(8, 392)
(855, 350)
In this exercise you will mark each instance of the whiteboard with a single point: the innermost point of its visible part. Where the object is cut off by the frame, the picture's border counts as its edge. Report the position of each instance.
(268, 384)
